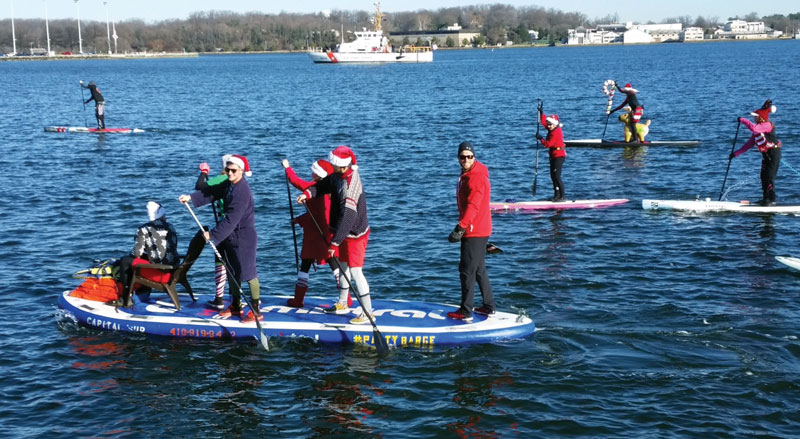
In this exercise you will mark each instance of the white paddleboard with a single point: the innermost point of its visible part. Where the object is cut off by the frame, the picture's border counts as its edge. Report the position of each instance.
(707, 205)
(789, 261)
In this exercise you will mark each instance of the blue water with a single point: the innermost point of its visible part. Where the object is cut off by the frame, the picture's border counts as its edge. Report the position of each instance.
(649, 324)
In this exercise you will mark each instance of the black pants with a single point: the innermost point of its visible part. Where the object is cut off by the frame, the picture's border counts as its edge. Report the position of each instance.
(125, 275)
(555, 174)
(770, 161)
(471, 268)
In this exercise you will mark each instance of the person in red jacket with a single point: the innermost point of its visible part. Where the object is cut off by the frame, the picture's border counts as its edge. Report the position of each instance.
(315, 244)
(554, 142)
(473, 230)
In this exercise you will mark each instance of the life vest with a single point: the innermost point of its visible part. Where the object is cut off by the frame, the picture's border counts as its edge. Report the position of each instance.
(765, 141)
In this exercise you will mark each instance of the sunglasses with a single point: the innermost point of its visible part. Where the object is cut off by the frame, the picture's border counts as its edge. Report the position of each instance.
(231, 170)
(466, 157)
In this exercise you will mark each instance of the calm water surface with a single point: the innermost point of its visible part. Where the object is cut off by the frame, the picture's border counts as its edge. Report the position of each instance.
(649, 324)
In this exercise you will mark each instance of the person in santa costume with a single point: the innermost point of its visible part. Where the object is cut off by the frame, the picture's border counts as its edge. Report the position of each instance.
(766, 140)
(315, 244)
(235, 235)
(632, 100)
(554, 142)
(350, 228)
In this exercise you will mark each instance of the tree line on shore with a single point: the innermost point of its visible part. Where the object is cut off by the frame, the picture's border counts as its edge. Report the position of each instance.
(212, 31)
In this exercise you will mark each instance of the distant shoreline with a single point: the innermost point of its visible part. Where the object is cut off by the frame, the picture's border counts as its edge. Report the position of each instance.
(267, 52)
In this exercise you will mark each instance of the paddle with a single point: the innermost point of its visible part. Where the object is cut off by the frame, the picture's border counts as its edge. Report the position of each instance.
(730, 158)
(85, 120)
(604, 128)
(261, 336)
(536, 168)
(380, 341)
(294, 232)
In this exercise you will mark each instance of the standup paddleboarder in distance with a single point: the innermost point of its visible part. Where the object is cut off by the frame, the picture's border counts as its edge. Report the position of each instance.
(315, 244)
(99, 104)
(473, 230)
(766, 140)
(554, 142)
(350, 228)
(235, 235)
(633, 101)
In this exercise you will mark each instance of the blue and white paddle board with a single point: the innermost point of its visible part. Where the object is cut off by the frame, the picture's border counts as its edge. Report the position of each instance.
(402, 323)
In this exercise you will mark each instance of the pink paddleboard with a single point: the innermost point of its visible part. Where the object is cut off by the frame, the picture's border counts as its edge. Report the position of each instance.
(529, 206)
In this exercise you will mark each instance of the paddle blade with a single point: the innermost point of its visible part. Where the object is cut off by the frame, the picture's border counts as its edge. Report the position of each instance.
(380, 342)
(533, 187)
(492, 249)
(263, 339)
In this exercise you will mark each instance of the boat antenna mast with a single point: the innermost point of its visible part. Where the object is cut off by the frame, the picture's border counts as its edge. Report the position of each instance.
(378, 16)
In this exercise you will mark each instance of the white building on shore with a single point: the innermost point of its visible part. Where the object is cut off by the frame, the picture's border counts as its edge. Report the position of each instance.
(746, 30)
(692, 34)
(626, 33)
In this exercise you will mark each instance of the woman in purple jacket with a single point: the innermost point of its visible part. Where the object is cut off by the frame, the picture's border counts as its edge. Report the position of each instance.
(235, 235)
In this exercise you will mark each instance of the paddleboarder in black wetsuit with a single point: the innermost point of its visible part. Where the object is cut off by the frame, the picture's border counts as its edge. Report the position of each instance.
(637, 109)
(99, 104)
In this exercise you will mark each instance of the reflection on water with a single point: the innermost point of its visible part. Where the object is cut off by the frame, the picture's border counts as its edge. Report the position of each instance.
(633, 156)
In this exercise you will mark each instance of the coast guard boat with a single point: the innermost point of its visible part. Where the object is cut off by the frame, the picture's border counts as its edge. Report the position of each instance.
(371, 46)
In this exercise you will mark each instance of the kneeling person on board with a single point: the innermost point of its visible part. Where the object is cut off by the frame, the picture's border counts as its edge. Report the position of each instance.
(235, 236)
(766, 140)
(99, 104)
(473, 230)
(156, 242)
(348, 222)
(554, 142)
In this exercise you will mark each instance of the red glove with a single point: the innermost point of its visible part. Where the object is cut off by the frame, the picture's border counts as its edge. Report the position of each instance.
(204, 168)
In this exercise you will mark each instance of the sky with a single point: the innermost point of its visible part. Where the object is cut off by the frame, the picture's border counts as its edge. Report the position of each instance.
(157, 10)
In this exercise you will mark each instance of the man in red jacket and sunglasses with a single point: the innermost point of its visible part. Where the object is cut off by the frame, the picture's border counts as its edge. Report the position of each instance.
(473, 230)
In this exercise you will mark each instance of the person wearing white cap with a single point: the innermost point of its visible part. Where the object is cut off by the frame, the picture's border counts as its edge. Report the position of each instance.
(350, 228)
(156, 241)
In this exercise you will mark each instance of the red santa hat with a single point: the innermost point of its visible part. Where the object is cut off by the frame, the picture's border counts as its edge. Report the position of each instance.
(553, 119)
(240, 161)
(322, 168)
(629, 88)
(342, 156)
(765, 110)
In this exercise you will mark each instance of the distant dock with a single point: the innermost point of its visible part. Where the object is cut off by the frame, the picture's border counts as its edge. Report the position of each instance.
(85, 56)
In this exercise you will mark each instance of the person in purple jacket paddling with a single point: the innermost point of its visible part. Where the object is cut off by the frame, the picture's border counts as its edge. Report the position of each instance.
(766, 140)
(235, 235)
